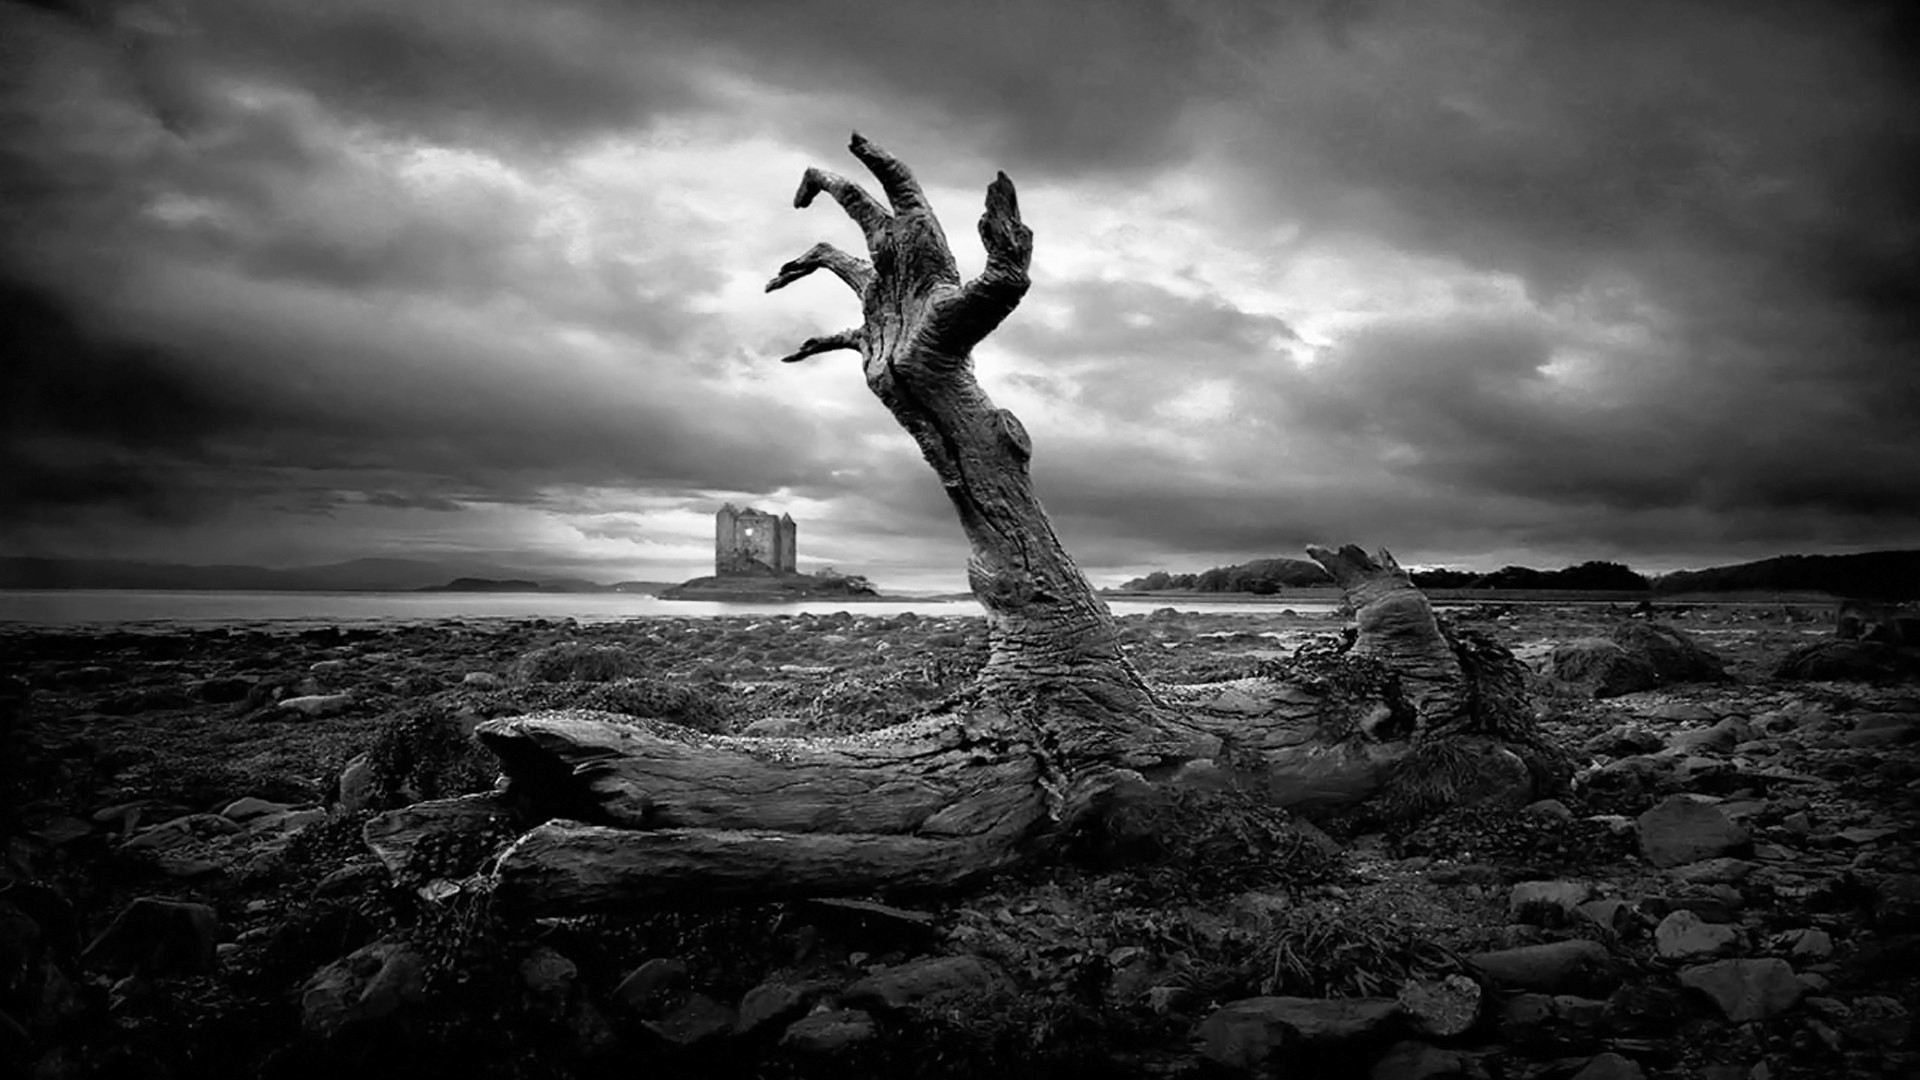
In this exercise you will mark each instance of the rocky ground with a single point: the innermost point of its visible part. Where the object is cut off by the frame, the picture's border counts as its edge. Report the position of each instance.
(1728, 890)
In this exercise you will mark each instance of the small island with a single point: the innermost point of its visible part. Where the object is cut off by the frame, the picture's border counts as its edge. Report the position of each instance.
(755, 561)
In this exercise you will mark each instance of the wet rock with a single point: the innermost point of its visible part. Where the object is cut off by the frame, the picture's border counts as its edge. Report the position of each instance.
(1420, 1061)
(1547, 903)
(1610, 1066)
(1442, 1008)
(369, 984)
(697, 1020)
(1555, 967)
(1682, 935)
(915, 983)
(826, 1032)
(1682, 829)
(1745, 990)
(653, 985)
(158, 938)
(1244, 1034)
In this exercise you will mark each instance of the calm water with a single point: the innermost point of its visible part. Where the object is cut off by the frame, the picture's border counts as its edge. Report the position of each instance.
(87, 607)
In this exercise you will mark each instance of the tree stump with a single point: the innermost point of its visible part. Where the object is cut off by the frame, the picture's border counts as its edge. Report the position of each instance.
(1061, 732)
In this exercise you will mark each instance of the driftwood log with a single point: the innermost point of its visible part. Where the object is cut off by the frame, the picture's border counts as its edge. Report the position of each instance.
(1059, 732)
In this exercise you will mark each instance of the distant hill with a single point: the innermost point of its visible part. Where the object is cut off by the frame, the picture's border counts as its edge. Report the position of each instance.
(357, 575)
(1884, 575)
(488, 585)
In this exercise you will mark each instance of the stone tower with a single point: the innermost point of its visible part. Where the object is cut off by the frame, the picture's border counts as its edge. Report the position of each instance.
(749, 541)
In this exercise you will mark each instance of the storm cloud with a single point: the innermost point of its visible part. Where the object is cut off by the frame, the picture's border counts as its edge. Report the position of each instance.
(1480, 281)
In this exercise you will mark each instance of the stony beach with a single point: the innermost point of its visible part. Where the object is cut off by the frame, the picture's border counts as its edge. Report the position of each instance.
(1728, 890)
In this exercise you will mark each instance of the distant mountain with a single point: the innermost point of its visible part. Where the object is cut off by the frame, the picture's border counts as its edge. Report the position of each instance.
(470, 584)
(1885, 575)
(357, 575)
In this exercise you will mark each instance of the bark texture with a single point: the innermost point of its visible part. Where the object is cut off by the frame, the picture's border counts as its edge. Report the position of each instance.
(1061, 730)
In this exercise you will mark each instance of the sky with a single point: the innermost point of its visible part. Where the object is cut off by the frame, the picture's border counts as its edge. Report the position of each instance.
(1481, 282)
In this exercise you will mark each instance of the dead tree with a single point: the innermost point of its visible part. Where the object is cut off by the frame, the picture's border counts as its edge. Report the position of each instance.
(1060, 730)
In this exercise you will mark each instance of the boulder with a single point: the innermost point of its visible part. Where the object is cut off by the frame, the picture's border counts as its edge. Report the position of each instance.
(1673, 654)
(1682, 829)
(777, 1001)
(1604, 667)
(369, 984)
(314, 706)
(1245, 1034)
(548, 978)
(157, 938)
(1745, 990)
(358, 790)
(1850, 661)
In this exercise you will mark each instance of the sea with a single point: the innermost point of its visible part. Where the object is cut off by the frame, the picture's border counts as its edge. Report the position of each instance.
(156, 609)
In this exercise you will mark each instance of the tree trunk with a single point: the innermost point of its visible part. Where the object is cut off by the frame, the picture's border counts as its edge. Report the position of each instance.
(1061, 730)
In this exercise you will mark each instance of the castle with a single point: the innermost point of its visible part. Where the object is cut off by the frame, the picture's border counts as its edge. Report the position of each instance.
(748, 541)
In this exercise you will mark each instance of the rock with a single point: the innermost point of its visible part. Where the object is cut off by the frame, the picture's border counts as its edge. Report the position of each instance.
(482, 680)
(1244, 1034)
(648, 988)
(548, 979)
(1896, 903)
(1614, 914)
(1745, 990)
(1610, 1066)
(314, 706)
(1604, 667)
(157, 938)
(1420, 1061)
(1441, 1008)
(1166, 999)
(1683, 712)
(826, 1032)
(699, 1019)
(247, 808)
(1879, 1021)
(909, 985)
(1811, 945)
(357, 790)
(1556, 967)
(776, 1001)
(1682, 829)
(369, 984)
(1556, 1021)
(350, 878)
(1682, 935)
(1547, 903)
